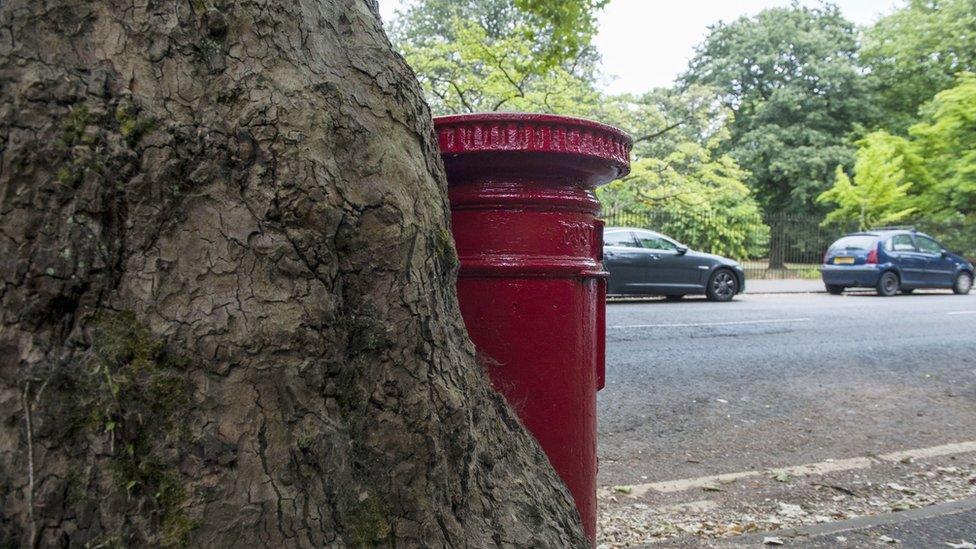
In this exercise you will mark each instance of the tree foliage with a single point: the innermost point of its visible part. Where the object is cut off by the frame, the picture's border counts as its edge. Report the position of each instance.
(695, 197)
(878, 193)
(566, 27)
(663, 118)
(679, 174)
(916, 52)
(945, 138)
(790, 76)
(488, 55)
(931, 172)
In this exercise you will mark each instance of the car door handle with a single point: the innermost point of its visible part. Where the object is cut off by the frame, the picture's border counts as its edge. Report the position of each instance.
(607, 254)
(655, 257)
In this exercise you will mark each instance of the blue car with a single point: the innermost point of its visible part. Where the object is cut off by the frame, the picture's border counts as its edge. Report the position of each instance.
(893, 260)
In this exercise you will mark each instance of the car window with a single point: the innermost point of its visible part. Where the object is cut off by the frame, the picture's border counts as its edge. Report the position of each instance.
(655, 242)
(901, 243)
(619, 238)
(855, 242)
(927, 245)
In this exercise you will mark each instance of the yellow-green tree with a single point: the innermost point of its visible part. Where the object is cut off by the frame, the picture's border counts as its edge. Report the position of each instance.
(931, 172)
(945, 139)
(878, 193)
(692, 192)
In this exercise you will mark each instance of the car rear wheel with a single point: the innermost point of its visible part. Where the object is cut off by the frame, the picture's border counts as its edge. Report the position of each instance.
(964, 283)
(834, 289)
(888, 284)
(722, 286)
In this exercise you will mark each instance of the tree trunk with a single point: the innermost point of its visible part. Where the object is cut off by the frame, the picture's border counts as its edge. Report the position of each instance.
(778, 243)
(227, 291)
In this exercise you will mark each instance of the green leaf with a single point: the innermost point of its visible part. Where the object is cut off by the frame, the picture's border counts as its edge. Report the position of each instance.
(917, 51)
(791, 77)
(489, 55)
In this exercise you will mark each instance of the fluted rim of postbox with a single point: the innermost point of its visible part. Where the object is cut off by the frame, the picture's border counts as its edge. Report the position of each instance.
(500, 132)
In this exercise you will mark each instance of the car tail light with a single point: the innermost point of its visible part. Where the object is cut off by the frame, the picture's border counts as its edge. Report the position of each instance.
(873, 257)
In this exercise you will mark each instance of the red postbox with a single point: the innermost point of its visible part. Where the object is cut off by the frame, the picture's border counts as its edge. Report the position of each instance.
(531, 285)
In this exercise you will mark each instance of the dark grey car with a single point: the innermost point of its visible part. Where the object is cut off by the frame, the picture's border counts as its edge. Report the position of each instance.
(643, 262)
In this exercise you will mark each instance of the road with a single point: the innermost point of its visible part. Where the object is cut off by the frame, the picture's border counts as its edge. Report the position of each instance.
(697, 388)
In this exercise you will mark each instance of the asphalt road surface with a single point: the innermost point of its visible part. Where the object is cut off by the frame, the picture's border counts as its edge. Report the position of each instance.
(698, 388)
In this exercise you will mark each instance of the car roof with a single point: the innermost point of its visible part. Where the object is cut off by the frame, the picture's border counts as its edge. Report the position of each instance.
(883, 232)
(609, 229)
(638, 229)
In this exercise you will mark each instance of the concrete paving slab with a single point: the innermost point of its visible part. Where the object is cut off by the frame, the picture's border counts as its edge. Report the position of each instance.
(798, 286)
(933, 526)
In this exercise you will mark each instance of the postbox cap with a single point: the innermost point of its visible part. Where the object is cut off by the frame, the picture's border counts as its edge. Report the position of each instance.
(529, 136)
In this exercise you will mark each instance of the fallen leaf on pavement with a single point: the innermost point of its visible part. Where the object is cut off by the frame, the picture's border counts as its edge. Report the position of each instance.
(623, 489)
(791, 510)
(841, 489)
(903, 489)
(886, 539)
(961, 545)
(769, 540)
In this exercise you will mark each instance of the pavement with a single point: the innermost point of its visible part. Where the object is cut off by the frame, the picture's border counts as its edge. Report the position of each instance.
(951, 523)
(786, 286)
(722, 419)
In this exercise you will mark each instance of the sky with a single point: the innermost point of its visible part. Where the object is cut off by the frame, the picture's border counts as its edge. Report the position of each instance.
(647, 43)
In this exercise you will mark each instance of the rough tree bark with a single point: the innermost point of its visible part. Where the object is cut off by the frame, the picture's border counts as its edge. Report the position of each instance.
(777, 243)
(227, 286)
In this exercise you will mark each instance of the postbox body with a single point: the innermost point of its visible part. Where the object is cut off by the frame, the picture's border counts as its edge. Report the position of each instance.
(531, 285)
